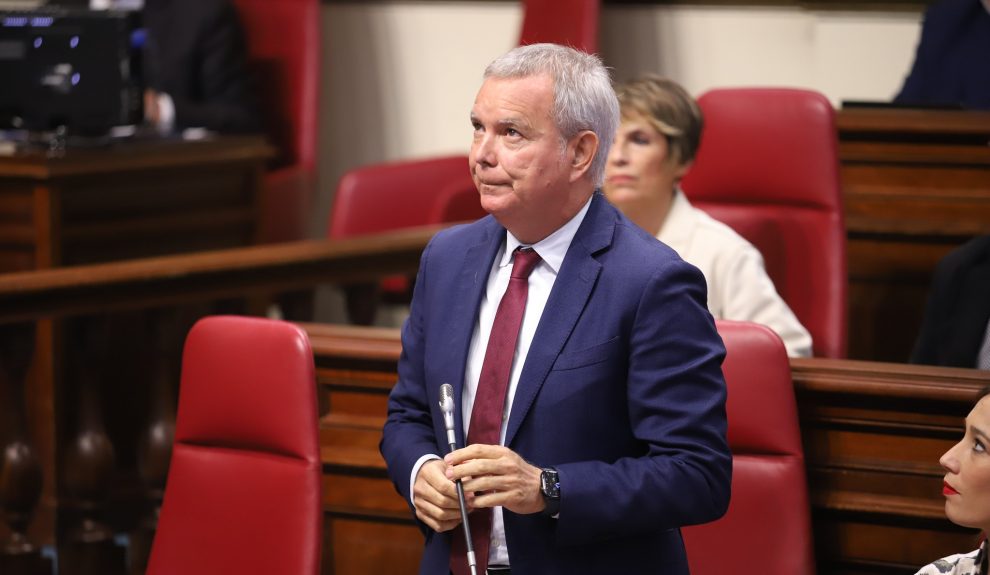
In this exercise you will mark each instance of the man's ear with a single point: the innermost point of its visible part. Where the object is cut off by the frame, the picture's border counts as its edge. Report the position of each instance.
(583, 148)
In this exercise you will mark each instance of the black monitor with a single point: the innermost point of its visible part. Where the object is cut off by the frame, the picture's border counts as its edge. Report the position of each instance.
(64, 67)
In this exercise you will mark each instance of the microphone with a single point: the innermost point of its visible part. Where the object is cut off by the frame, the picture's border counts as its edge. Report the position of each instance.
(447, 408)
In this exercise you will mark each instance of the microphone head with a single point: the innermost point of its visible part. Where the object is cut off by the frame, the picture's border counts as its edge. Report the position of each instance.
(447, 399)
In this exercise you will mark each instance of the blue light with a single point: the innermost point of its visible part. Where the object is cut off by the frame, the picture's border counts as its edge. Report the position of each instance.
(75, 78)
(15, 22)
(37, 42)
(42, 21)
(73, 42)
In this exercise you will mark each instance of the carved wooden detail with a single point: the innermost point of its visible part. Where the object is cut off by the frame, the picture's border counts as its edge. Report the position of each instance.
(20, 470)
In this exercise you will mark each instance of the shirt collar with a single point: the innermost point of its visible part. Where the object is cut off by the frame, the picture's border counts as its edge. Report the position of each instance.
(552, 248)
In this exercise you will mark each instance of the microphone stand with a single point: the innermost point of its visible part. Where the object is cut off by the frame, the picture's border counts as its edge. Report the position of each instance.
(472, 562)
(447, 408)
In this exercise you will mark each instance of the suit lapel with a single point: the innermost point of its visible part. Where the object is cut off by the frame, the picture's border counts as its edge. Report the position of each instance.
(571, 290)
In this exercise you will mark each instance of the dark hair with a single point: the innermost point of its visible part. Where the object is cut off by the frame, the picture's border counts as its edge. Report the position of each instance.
(984, 568)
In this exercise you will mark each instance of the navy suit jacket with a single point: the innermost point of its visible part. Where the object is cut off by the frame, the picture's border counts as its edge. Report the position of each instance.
(951, 66)
(958, 308)
(622, 392)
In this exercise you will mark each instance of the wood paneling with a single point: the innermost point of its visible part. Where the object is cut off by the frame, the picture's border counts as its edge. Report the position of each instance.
(916, 184)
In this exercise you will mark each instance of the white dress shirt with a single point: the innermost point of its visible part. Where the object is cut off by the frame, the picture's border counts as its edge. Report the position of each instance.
(552, 250)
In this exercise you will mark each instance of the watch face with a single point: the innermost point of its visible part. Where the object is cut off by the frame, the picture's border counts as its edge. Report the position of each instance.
(550, 483)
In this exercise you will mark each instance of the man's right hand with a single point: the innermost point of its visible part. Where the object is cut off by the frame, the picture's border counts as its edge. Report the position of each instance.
(435, 497)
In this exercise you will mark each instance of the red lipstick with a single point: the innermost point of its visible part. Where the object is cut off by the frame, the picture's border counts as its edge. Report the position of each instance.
(948, 490)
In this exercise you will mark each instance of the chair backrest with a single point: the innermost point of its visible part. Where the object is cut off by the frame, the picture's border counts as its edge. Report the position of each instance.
(768, 525)
(243, 489)
(283, 41)
(768, 167)
(390, 196)
(574, 25)
(398, 195)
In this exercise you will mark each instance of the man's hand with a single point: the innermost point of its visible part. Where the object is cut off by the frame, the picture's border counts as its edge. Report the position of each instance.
(152, 114)
(497, 476)
(435, 497)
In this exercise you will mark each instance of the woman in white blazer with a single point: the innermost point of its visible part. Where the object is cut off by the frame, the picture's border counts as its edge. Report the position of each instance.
(654, 148)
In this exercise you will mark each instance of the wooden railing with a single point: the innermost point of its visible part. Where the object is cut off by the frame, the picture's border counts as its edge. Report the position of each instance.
(83, 457)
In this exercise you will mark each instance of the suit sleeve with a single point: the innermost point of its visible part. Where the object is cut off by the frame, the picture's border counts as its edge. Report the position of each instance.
(409, 427)
(676, 402)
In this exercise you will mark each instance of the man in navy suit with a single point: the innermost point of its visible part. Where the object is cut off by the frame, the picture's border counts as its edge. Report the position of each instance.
(951, 66)
(613, 430)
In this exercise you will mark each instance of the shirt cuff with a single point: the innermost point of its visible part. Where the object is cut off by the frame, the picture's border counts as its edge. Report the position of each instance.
(166, 113)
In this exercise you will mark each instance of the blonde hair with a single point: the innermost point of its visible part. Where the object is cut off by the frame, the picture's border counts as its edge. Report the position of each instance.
(668, 108)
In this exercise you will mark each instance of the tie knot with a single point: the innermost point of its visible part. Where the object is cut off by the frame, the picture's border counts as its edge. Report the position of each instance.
(523, 262)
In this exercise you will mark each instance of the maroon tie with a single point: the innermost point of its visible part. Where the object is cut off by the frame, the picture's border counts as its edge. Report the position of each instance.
(489, 401)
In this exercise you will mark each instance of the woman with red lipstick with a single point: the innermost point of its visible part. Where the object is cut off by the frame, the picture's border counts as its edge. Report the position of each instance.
(654, 148)
(967, 490)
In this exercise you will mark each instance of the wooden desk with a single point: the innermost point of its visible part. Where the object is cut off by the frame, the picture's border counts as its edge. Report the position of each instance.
(128, 200)
(916, 184)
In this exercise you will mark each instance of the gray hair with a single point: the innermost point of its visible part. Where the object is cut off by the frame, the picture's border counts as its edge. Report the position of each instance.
(582, 90)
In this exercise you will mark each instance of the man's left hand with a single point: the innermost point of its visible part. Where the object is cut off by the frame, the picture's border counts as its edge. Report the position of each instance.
(498, 476)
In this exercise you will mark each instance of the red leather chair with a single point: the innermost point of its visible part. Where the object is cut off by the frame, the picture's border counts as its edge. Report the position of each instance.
(283, 38)
(575, 26)
(390, 196)
(243, 489)
(384, 197)
(767, 529)
(768, 167)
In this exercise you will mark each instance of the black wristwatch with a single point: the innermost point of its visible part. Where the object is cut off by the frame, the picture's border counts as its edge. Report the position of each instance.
(550, 489)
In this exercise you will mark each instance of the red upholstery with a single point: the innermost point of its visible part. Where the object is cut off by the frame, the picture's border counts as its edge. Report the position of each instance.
(283, 38)
(768, 526)
(768, 167)
(575, 26)
(384, 197)
(243, 490)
